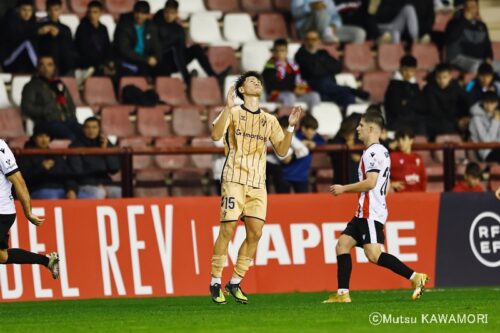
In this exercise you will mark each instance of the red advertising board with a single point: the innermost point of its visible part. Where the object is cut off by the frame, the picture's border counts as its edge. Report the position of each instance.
(163, 247)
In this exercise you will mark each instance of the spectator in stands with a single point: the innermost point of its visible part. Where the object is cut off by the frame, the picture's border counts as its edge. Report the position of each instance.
(94, 171)
(484, 81)
(283, 81)
(403, 98)
(18, 42)
(394, 18)
(55, 39)
(47, 101)
(136, 42)
(322, 16)
(467, 39)
(296, 172)
(92, 42)
(426, 17)
(347, 136)
(407, 167)
(175, 54)
(319, 68)
(447, 104)
(485, 125)
(48, 176)
(355, 13)
(472, 179)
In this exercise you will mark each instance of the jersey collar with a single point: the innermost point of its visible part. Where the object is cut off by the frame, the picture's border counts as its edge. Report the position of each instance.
(247, 110)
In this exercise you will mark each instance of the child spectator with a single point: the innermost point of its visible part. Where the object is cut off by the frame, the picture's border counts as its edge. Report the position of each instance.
(472, 179)
(485, 125)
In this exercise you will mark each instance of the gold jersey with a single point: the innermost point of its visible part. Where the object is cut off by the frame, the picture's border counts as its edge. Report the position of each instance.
(245, 142)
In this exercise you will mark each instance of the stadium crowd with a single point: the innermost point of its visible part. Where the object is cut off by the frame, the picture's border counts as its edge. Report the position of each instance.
(455, 97)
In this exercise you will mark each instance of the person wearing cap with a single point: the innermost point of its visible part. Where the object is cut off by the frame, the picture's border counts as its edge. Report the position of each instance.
(136, 42)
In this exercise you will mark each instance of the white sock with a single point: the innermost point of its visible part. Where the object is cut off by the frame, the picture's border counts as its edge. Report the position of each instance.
(413, 275)
(235, 280)
(341, 292)
(215, 280)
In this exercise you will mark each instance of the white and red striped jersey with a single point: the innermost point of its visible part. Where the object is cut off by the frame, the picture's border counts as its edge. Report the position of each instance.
(372, 204)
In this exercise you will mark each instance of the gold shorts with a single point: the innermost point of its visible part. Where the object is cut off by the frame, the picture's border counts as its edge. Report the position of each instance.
(239, 201)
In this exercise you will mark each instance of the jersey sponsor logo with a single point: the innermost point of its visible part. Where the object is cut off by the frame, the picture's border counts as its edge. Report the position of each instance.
(250, 136)
(484, 238)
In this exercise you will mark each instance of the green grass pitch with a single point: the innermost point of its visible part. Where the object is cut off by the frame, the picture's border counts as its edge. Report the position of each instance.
(296, 312)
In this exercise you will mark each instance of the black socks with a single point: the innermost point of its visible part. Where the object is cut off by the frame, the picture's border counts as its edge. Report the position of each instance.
(394, 264)
(344, 268)
(20, 256)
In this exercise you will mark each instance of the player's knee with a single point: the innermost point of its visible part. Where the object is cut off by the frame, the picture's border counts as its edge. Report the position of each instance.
(342, 248)
(372, 256)
(3, 256)
(254, 236)
(226, 232)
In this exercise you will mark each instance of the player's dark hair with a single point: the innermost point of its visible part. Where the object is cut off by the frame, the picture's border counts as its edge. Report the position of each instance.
(172, 4)
(309, 122)
(51, 3)
(374, 115)
(489, 96)
(142, 7)
(485, 69)
(95, 4)
(41, 129)
(443, 67)
(280, 42)
(241, 80)
(408, 61)
(473, 170)
(89, 119)
(283, 120)
(404, 133)
(25, 3)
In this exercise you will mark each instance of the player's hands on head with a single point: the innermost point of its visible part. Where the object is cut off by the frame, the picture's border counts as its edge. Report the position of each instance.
(231, 96)
(36, 220)
(294, 117)
(337, 189)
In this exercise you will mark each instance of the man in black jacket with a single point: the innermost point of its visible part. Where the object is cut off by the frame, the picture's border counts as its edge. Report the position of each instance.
(55, 39)
(136, 43)
(403, 98)
(18, 42)
(467, 39)
(319, 68)
(93, 171)
(47, 101)
(92, 42)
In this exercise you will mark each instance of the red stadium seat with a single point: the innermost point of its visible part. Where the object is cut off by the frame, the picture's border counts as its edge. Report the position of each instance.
(59, 143)
(116, 7)
(188, 183)
(427, 55)
(376, 84)
(282, 5)
(70, 83)
(138, 81)
(450, 138)
(139, 161)
(496, 50)
(222, 57)
(332, 49)
(205, 91)
(253, 6)
(170, 162)
(425, 154)
(11, 123)
(202, 161)
(435, 186)
(225, 6)
(115, 120)
(98, 91)
(79, 7)
(186, 121)
(151, 121)
(358, 57)
(18, 142)
(171, 91)
(320, 161)
(150, 192)
(389, 55)
(271, 26)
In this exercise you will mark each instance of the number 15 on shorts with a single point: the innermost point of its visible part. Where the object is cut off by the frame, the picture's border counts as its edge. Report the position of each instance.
(227, 202)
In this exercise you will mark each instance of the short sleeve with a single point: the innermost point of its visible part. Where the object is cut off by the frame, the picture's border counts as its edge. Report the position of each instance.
(276, 135)
(8, 164)
(373, 160)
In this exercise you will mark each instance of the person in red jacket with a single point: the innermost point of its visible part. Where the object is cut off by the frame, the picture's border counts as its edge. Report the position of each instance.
(472, 179)
(407, 167)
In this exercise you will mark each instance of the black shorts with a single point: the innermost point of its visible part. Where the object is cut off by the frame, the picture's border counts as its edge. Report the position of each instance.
(6, 222)
(365, 231)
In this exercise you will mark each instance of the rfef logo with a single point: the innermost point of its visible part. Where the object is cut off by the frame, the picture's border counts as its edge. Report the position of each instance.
(484, 237)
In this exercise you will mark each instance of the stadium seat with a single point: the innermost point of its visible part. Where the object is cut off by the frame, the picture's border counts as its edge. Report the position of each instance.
(79, 7)
(435, 186)
(116, 7)
(189, 183)
(171, 91)
(332, 49)
(156, 5)
(427, 55)
(71, 20)
(253, 6)
(59, 144)
(138, 81)
(376, 84)
(441, 21)
(323, 179)
(226, 6)
(346, 79)
(450, 138)
(205, 91)
(4, 98)
(187, 8)
(293, 48)
(320, 161)
(18, 142)
(496, 50)
(271, 26)
(282, 5)
(204, 29)
(388, 56)
(329, 118)
(109, 22)
(254, 55)
(115, 120)
(18, 83)
(222, 57)
(202, 161)
(99, 91)
(150, 192)
(356, 108)
(238, 27)
(70, 83)
(151, 121)
(425, 154)
(139, 161)
(170, 162)
(83, 112)
(11, 123)
(186, 121)
(358, 57)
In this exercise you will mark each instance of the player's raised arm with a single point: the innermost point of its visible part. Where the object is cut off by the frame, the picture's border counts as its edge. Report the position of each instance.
(363, 186)
(282, 146)
(219, 125)
(23, 195)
